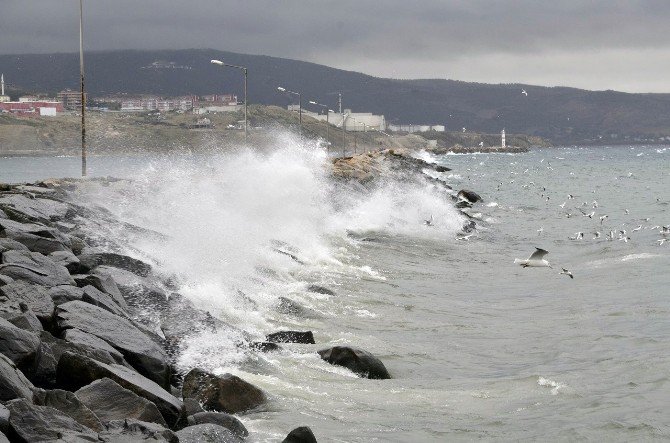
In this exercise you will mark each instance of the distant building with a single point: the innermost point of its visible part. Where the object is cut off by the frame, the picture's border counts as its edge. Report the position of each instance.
(217, 103)
(353, 121)
(416, 128)
(70, 99)
(150, 103)
(49, 108)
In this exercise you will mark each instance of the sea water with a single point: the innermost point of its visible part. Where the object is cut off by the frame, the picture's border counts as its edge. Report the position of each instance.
(478, 347)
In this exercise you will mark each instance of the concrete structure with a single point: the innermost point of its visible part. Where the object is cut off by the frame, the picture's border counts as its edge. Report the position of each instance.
(157, 104)
(353, 121)
(3, 98)
(416, 128)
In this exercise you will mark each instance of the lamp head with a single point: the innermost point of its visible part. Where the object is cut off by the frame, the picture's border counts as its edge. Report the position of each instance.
(279, 88)
(313, 102)
(217, 62)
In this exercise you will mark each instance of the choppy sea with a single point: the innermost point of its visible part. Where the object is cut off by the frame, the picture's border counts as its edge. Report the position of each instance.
(478, 347)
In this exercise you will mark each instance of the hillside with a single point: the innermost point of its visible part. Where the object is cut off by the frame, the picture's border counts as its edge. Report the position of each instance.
(564, 115)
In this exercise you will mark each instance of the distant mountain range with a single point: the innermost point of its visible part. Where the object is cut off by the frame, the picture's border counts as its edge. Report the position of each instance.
(563, 115)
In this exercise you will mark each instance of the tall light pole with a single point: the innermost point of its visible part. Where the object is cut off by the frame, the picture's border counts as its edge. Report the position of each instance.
(328, 111)
(83, 94)
(344, 132)
(220, 63)
(280, 89)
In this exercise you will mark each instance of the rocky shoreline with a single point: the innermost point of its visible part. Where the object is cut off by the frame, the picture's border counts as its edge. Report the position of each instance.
(89, 334)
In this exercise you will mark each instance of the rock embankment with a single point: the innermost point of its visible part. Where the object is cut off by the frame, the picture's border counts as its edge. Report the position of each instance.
(88, 336)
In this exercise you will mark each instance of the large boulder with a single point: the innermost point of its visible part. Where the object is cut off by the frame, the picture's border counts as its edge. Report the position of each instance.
(25, 209)
(207, 433)
(68, 403)
(19, 314)
(305, 337)
(110, 401)
(76, 371)
(133, 431)
(224, 393)
(91, 258)
(93, 296)
(359, 361)
(20, 346)
(13, 384)
(7, 244)
(468, 196)
(65, 293)
(67, 259)
(320, 290)
(35, 268)
(34, 296)
(303, 434)
(31, 423)
(291, 307)
(103, 283)
(35, 237)
(89, 341)
(4, 418)
(228, 421)
(139, 292)
(139, 350)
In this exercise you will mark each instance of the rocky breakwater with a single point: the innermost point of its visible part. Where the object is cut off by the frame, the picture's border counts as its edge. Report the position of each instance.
(365, 172)
(88, 335)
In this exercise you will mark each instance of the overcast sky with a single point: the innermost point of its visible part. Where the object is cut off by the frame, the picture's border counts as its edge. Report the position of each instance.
(593, 44)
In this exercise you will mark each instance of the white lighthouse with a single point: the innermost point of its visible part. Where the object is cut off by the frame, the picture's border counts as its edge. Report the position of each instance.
(502, 134)
(3, 98)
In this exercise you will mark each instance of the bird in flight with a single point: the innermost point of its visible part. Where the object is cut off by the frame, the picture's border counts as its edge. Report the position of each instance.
(566, 272)
(536, 260)
(523, 91)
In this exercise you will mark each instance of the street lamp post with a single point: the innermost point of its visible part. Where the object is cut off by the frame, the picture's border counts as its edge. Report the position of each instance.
(328, 111)
(220, 63)
(280, 89)
(83, 94)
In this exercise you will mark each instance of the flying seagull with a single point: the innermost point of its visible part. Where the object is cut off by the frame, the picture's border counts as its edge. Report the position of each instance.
(566, 272)
(523, 91)
(661, 241)
(578, 236)
(602, 218)
(597, 235)
(536, 260)
(429, 222)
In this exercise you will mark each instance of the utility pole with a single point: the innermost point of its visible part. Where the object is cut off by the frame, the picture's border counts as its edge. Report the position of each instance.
(83, 93)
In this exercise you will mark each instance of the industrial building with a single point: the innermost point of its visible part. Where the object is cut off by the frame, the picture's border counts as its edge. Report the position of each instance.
(353, 121)
(70, 99)
(157, 104)
(416, 128)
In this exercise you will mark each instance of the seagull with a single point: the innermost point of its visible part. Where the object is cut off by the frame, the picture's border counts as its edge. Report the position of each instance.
(523, 91)
(463, 129)
(665, 230)
(481, 144)
(584, 214)
(602, 218)
(610, 236)
(597, 235)
(595, 203)
(637, 229)
(625, 239)
(429, 222)
(464, 237)
(562, 205)
(536, 260)
(539, 231)
(578, 236)
(626, 211)
(566, 272)
(570, 196)
(661, 241)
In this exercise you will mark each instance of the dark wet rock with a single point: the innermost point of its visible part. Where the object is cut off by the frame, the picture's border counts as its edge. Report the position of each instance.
(303, 434)
(290, 307)
(20, 346)
(76, 371)
(305, 337)
(89, 341)
(224, 393)
(228, 421)
(35, 297)
(70, 405)
(19, 314)
(35, 237)
(4, 418)
(66, 259)
(208, 433)
(98, 298)
(4, 280)
(320, 290)
(7, 244)
(439, 168)
(192, 406)
(32, 423)
(34, 267)
(469, 226)
(469, 196)
(133, 431)
(264, 346)
(21, 208)
(110, 401)
(65, 293)
(104, 284)
(180, 320)
(77, 245)
(91, 258)
(359, 361)
(138, 291)
(142, 352)
(13, 384)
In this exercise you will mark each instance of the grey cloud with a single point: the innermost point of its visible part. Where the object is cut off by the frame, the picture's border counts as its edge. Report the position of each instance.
(347, 33)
